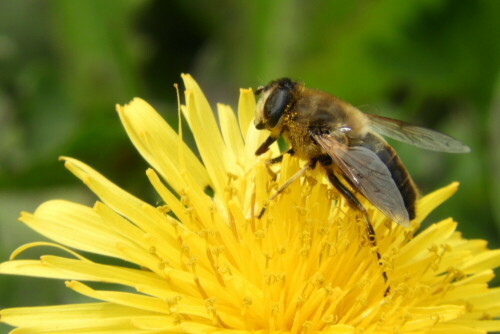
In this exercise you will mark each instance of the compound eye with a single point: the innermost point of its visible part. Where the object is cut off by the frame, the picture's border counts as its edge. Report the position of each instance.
(275, 106)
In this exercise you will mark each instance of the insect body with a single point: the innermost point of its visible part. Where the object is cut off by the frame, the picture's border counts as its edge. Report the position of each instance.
(322, 128)
(347, 143)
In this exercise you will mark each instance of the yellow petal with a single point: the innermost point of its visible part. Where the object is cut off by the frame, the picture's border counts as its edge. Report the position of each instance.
(425, 317)
(246, 110)
(487, 299)
(35, 268)
(74, 225)
(160, 145)
(138, 212)
(485, 260)
(70, 316)
(453, 328)
(96, 271)
(25, 247)
(419, 245)
(481, 325)
(168, 197)
(140, 302)
(216, 157)
(230, 130)
(429, 202)
(157, 323)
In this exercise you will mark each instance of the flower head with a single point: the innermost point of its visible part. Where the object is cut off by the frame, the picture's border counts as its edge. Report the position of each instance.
(205, 263)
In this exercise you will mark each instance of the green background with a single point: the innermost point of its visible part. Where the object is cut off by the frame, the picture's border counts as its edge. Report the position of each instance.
(64, 65)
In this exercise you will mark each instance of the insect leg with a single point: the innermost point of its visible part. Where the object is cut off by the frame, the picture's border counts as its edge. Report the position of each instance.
(294, 177)
(276, 160)
(265, 145)
(354, 202)
(279, 158)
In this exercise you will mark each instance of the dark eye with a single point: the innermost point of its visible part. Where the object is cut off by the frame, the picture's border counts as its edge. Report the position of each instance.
(275, 106)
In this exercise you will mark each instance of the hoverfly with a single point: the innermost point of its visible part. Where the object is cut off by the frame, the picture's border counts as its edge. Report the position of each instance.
(321, 128)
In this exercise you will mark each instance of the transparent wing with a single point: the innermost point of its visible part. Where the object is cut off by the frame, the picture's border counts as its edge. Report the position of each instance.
(416, 135)
(369, 175)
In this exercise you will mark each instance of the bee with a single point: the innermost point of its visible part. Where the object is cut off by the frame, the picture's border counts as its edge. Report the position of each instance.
(347, 143)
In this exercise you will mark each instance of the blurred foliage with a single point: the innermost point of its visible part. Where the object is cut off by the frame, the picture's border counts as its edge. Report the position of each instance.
(66, 63)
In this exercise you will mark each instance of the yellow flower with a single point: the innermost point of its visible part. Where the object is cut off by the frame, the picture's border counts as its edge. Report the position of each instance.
(205, 264)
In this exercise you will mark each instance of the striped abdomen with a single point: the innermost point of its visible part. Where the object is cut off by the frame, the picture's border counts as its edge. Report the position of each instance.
(398, 171)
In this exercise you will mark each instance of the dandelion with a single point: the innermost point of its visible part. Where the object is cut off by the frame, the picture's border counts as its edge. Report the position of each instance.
(204, 263)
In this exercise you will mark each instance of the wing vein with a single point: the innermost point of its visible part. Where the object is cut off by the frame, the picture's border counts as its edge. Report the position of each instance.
(368, 174)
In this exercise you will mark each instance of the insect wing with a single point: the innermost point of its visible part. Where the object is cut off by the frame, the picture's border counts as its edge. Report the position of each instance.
(416, 135)
(369, 175)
